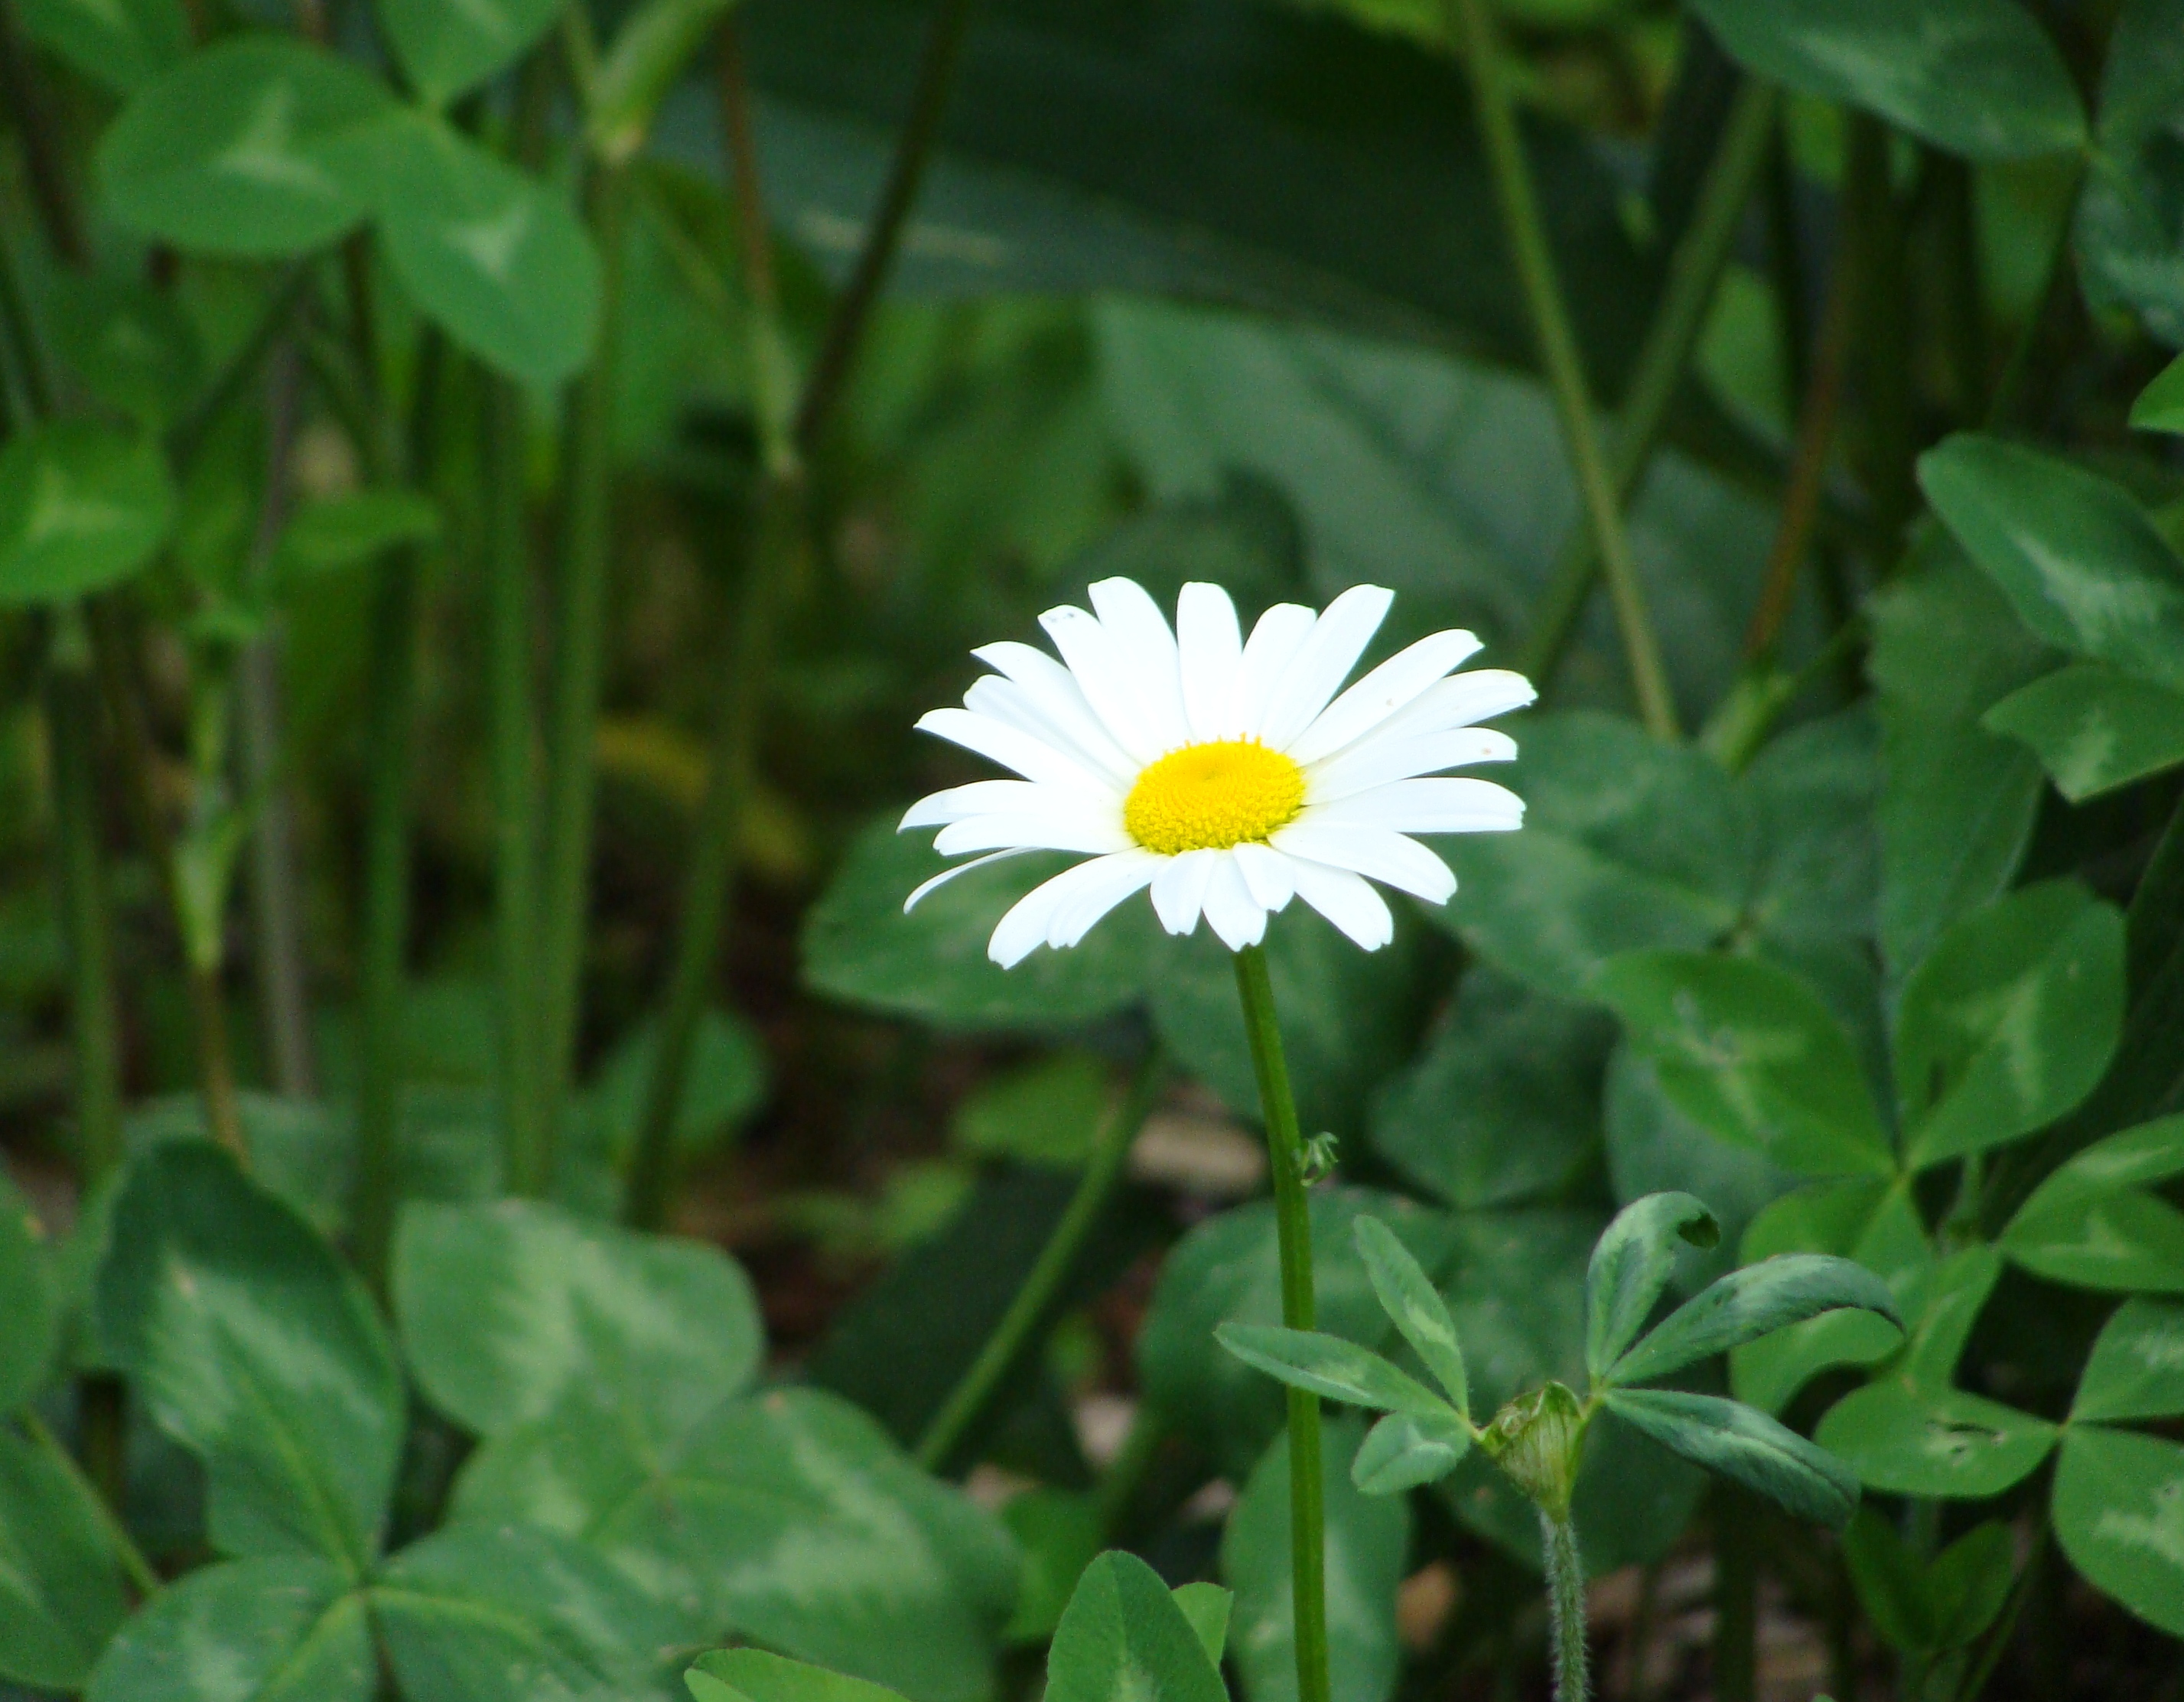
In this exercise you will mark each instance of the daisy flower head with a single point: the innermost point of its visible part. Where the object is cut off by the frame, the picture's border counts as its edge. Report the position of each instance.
(1225, 774)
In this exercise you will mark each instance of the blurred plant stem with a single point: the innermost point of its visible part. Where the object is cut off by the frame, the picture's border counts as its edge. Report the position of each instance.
(579, 657)
(1565, 1608)
(1877, 233)
(1254, 989)
(1032, 1307)
(2017, 393)
(1735, 1594)
(1558, 354)
(1695, 270)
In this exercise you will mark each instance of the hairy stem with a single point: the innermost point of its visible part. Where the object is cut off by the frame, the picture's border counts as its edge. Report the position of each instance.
(1558, 354)
(1031, 1309)
(1293, 1220)
(1566, 1608)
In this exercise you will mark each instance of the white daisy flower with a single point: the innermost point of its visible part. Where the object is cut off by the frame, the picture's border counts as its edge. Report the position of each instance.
(1219, 772)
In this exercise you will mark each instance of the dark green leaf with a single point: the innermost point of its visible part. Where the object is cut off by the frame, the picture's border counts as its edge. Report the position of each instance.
(1327, 1365)
(1814, 789)
(61, 1592)
(506, 1306)
(1406, 1295)
(445, 49)
(237, 149)
(2009, 1022)
(2076, 556)
(1124, 1634)
(1631, 1264)
(350, 530)
(1404, 1450)
(119, 44)
(2094, 727)
(723, 1085)
(2160, 405)
(2128, 223)
(1925, 1604)
(754, 1675)
(1368, 1540)
(496, 256)
(1047, 1114)
(1737, 1442)
(1978, 77)
(2116, 1497)
(511, 1615)
(256, 1349)
(2137, 1367)
(1750, 1052)
(132, 346)
(27, 1312)
(1750, 1303)
(2093, 1225)
(287, 1630)
(1504, 1104)
(81, 506)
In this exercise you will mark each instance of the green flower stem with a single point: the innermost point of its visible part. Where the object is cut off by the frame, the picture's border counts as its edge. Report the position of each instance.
(141, 1575)
(1293, 1220)
(579, 656)
(1558, 354)
(1033, 1307)
(1695, 271)
(1566, 1608)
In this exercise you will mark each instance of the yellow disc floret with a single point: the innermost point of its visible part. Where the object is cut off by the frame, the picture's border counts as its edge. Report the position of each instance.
(1209, 797)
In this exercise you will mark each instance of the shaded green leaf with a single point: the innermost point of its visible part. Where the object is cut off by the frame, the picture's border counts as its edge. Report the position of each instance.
(1750, 1303)
(1737, 1442)
(61, 1594)
(287, 1630)
(2128, 225)
(652, 49)
(1631, 1264)
(445, 49)
(81, 507)
(2160, 405)
(1927, 1604)
(1407, 1294)
(756, 1675)
(256, 1349)
(2118, 1501)
(2137, 1367)
(724, 1083)
(2092, 1223)
(2094, 727)
(237, 149)
(1208, 1607)
(1124, 1634)
(348, 531)
(119, 44)
(1058, 1532)
(1047, 1114)
(133, 345)
(1327, 1366)
(28, 1318)
(1406, 1449)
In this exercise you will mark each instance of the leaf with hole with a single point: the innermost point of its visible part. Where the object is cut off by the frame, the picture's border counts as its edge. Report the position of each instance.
(1631, 1264)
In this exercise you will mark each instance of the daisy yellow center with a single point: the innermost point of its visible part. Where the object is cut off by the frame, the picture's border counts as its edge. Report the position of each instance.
(1209, 797)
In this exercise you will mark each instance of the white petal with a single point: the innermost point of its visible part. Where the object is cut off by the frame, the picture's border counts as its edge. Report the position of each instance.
(1045, 830)
(1062, 910)
(1030, 756)
(986, 797)
(1087, 745)
(1375, 852)
(1275, 639)
(1231, 911)
(947, 874)
(1108, 678)
(1458, 701)
(1377, 759)
(1322, 662)
(1346, 900)
(1179, 889)
(1266, 873)
(1389, 687)
(1125, 609)
(1210, 645)
(1431, 806)
(1024, 927)
(1053, 693)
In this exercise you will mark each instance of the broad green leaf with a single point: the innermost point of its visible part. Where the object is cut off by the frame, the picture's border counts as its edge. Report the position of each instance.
(511, 1615)
(237, 149)
(1927, 1604)
(1208, 1607)
(28, 1319)
(1404, 1450)
(133, 345)
(1048, 1113)
(650, 50)
(1605, 866)
(61, 1592)
(2127, 229)
(1865, 1218)
(1057, 1532)
(1750, 1052)
(2137, 1367)
(723, 1085)
(1977, 77)
(1956, 801)
(2120, 1516)
(2009, 1022)
(1327, 1365)
(1814, 789)
(789, 1518)
(1750, 1303)
(1745, 1444)
(2094, 727)
(504, 1307)
(1631, 1264)
(1124, 1634)
(1939, 1442)
(81, 507)
(119, 44)
(1407, 1294)
(1368, 1542)
(289, 1630)
(2160, 405)
(2093, 1225)
(1228, 1269)
(756, 1675)
(1503, 1104)
(348, 531)
(1942, 1306)
(254, 1346)
(931, 965)
(2076, 556)
(445, 49)
(494, 256)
